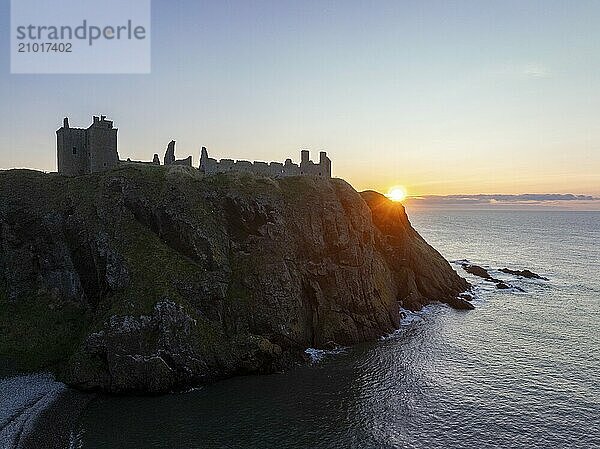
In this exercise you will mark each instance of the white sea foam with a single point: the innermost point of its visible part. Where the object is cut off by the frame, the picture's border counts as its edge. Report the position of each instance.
(76, 439)
(22, 399)
(410, 318)
(316, 355)
(189, 390)
(477, 296)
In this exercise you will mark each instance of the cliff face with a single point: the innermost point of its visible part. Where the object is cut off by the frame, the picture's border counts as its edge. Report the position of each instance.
(149, 278)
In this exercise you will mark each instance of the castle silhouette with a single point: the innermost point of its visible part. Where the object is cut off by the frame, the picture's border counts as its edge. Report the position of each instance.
(94, 149)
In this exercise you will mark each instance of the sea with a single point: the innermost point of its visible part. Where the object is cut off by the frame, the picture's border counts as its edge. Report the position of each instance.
(522, 370)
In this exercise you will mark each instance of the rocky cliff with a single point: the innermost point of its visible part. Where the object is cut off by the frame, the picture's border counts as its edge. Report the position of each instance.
(150, 279)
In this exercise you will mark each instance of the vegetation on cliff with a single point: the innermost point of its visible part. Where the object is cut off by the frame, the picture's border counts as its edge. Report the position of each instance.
(150, 278)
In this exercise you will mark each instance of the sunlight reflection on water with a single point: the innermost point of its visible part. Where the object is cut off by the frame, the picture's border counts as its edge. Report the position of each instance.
(519, 371)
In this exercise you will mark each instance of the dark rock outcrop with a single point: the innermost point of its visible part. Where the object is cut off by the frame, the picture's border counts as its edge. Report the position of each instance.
(180, 278)
(420, 272)
(523, 273)
(481, 272)
(478, 271)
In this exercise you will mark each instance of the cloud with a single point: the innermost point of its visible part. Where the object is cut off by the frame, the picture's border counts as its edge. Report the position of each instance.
(529, 70)
(502, 201)
(535, 71)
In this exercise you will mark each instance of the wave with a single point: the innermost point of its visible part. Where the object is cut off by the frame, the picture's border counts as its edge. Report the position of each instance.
(22, 399)
(411, 318)
(317, 355)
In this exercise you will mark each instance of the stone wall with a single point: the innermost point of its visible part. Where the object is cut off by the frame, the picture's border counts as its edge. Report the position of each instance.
(210, 165)
(72, 151)
(102, 138)
(170, 156)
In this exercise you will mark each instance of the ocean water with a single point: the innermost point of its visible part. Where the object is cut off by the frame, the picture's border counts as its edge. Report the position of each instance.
(521, 370)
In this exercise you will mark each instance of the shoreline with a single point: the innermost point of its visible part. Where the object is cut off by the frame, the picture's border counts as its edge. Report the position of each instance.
(37, 411)
(54, 426)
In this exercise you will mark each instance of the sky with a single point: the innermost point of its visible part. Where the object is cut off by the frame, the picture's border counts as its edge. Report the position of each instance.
(443, 97)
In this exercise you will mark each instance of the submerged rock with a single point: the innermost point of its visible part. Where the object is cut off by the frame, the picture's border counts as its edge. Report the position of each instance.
(172, 278)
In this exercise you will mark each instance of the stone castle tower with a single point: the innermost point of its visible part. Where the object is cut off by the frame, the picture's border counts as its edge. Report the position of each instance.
(81, 151)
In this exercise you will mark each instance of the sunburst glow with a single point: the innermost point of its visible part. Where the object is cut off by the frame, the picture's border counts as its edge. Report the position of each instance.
(397, 193)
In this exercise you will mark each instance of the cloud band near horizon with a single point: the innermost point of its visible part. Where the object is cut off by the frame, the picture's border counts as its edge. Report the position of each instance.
(520, 200)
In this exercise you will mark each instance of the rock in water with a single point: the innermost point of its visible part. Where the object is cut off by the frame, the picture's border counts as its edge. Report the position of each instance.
(151, 278)
(481, 272)
(523, 273)
(478, 271)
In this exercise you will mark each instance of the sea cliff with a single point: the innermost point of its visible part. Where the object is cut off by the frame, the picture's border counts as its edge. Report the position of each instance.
(149, 279)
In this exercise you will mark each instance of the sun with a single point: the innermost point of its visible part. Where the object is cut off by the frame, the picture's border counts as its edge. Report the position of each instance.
(397, 193)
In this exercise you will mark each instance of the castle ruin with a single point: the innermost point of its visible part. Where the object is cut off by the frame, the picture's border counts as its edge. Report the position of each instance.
(274, 169)
(82, 151)
(170, 156)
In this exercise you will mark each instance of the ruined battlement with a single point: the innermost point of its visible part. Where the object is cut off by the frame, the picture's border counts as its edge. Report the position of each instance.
(88, 150)
(101, 122)
(210, 165)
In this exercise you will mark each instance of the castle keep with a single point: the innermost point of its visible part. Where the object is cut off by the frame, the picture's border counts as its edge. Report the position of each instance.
(82, 151)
